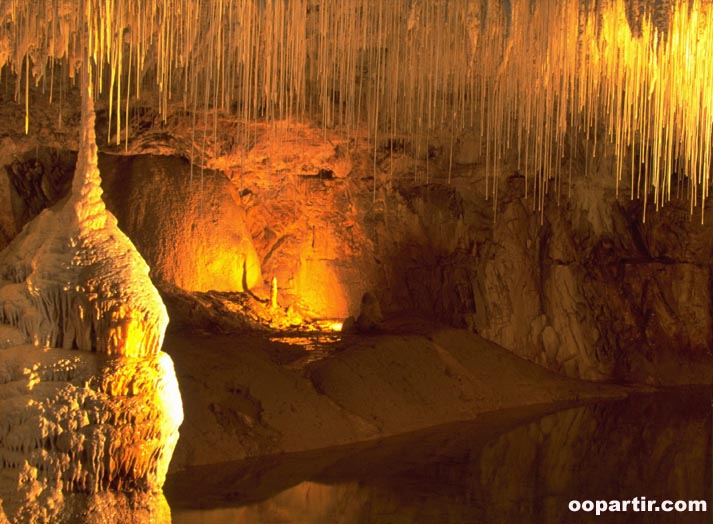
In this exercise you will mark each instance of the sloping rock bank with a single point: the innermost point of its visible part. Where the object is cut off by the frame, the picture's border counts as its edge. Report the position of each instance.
(513, 466)
(248, 396)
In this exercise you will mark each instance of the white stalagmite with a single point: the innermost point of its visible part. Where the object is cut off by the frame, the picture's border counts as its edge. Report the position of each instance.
(76, 281)
(82, 429)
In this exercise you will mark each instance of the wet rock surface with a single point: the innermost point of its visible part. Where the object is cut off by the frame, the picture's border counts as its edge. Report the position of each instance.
(244, 397)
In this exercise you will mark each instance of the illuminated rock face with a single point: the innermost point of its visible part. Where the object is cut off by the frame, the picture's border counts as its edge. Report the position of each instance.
(535, 75)
(87, 435)
(191, 229)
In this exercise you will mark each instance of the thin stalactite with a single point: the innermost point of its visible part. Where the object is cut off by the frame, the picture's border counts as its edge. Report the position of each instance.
(628, 77)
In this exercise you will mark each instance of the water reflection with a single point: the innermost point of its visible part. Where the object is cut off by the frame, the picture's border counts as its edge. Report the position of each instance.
(510, 467)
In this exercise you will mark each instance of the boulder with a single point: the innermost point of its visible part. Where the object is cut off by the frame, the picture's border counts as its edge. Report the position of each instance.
(370, 317)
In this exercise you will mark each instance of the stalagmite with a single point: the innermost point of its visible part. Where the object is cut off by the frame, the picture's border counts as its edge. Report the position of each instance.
(273, 294)
(74, 279)
(78, 425)
(86, 286)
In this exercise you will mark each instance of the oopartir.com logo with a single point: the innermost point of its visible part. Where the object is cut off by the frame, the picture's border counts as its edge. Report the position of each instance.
(638, 504)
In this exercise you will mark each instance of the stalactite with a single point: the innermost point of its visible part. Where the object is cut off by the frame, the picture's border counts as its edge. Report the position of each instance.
(631, 76)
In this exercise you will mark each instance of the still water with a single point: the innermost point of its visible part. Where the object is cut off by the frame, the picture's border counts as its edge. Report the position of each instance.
(510, 467)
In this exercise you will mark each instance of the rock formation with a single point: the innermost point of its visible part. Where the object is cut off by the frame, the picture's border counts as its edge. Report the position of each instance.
(72, 279)
(79, 428)
(90, 404)
(563, 273)
(190, 229)
(370, 316)
(584, 288)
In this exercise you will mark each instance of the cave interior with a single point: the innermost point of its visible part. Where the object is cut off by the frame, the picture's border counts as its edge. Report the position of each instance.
(341, 247)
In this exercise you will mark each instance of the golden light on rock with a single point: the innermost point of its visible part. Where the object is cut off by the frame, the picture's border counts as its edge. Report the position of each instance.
(552, 80)
(320, 289)
(284, 158)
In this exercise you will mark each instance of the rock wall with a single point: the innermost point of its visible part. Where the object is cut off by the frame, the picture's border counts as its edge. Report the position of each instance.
(298, 190)
(190, 229)
(503, 468)
(584, 287)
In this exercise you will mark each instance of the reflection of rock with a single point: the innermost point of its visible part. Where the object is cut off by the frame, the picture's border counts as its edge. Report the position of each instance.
(653, 446)
(504, 468)
(80, 426)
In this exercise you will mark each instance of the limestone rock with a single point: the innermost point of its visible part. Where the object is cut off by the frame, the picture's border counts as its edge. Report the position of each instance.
(10, 337)
(370, 317)
(31, 180)
(80, 427)
(190, 229)
(8, 226)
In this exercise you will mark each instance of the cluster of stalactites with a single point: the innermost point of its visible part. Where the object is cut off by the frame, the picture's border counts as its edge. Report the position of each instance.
(535, 77)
